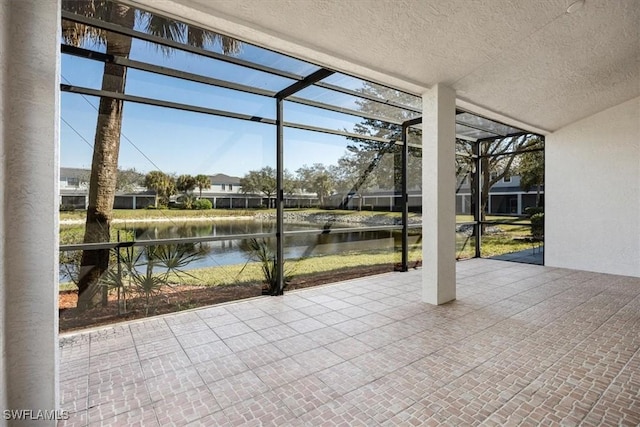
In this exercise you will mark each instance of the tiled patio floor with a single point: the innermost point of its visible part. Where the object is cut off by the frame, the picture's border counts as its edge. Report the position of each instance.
(522, 345)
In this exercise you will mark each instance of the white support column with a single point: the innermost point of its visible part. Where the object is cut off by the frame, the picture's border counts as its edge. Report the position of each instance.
(29, 173)
(438, 195)
(519, 206)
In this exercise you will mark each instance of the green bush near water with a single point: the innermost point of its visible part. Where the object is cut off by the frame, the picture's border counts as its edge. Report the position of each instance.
(202, 204)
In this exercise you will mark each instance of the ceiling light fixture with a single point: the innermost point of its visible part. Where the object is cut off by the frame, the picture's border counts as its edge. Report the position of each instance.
(575, 6)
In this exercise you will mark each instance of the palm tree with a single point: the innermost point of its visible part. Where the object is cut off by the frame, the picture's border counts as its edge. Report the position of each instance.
(164, 185)
(110, 112)
(185, 183)
(203, 183)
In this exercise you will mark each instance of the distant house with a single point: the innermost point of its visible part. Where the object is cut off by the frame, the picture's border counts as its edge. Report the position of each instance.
(506, 197)
(74, 183)
(74, 192)
(73, 178)
(225, 184)
(225, 192)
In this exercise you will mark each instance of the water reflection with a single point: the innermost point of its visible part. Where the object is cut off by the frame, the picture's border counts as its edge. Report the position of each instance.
(229, 251)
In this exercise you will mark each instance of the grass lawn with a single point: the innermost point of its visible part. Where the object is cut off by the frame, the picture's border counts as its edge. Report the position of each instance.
(508, 240)
(252, 273)
(142, 214)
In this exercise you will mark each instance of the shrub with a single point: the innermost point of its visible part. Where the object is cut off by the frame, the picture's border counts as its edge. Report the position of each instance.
(67, 208)
(202, 204)
(533, 210)
(537, 225)
(136, 272)
(264, 252)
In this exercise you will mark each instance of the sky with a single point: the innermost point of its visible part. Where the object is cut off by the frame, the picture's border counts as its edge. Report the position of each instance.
(174, 141)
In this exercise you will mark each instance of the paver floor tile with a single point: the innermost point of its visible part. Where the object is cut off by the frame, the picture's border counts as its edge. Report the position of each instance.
(523, 345)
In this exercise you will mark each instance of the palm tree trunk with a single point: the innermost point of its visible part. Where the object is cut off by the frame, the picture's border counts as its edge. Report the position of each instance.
(104, 163)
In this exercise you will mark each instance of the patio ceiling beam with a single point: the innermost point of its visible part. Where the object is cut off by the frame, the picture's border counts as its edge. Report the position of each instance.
(412, 122)
(312, 78)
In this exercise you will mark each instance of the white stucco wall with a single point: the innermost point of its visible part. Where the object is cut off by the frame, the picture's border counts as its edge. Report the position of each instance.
(29, 115)
(593, 193)
(439, 183)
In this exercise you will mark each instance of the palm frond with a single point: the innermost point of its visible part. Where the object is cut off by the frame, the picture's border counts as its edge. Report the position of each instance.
(184, 33)
(198, 37)
(176, 257)
(78, 34)
(160, 26)
(230, 46)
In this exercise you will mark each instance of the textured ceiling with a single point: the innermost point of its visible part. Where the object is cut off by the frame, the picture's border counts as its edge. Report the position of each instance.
(526, 60)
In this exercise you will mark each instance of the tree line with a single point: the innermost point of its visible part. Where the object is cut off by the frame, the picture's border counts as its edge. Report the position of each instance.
(167, 185)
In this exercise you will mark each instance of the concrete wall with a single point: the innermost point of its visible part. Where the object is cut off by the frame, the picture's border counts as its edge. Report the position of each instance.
(593, 193)
(29, 114)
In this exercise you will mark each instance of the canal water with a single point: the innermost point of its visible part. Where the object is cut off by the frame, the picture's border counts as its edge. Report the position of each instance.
(229, 251)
